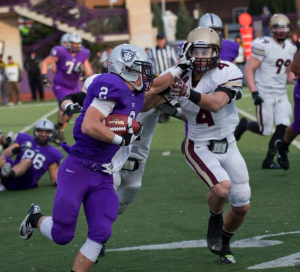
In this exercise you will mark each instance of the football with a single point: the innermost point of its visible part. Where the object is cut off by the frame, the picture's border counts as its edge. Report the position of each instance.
(118, 123)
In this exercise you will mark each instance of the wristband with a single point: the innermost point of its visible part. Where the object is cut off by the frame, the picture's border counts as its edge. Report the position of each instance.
(176, 71)
(117, 140)
(194, 97)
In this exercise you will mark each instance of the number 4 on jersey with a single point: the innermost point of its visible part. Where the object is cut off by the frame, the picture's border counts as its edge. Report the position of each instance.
(204, 117)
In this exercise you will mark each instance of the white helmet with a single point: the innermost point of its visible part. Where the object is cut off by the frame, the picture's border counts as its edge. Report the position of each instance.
(74, 43)
(43, 125)
(64, 39)
(137, 60)
(213, 21)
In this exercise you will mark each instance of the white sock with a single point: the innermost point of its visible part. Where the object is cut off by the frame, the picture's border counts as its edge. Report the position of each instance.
(91, 250)
(46, 227)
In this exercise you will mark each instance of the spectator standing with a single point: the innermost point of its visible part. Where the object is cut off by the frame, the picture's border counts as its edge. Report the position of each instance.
(265, 21)
(13, 76)
(241, 58)
(163, 57)
(104, 57)
(96, 64)
(31, 65)
(295, 40)
(2, 81)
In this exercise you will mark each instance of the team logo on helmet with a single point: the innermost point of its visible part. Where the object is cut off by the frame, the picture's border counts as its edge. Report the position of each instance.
(127, 55)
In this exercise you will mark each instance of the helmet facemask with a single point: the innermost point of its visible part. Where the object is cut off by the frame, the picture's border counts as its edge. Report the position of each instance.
(206, 57)
(74, 47)
(281, 32)
(144, 70)
(43, 138)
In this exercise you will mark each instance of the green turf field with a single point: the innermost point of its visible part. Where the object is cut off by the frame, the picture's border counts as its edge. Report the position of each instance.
(167, 223)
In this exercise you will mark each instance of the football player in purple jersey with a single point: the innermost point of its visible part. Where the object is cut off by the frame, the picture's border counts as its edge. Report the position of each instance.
(34, 157)
(70, 62)
(86, 174)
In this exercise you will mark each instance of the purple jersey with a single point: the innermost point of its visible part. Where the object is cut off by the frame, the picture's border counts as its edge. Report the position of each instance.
(229, 51)
(107, 87)
(68, 66)
(41, 158)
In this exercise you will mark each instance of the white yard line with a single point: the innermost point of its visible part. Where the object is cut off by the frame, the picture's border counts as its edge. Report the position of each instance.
(29, 105)
(43, 117)
(253, 118)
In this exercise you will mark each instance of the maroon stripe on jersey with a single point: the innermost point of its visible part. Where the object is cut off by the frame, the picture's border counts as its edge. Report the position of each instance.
(240, 78)
(198, 164)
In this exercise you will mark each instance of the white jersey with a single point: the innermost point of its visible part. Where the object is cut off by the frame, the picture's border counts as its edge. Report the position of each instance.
(271, 76)
(141, 147)
(203, 124)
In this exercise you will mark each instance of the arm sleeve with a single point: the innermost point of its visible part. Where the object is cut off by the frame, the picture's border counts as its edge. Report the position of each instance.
(75, 98)
(104, 106)
(232, 78)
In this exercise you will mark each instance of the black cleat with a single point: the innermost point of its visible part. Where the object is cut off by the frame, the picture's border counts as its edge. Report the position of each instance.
(26, 229)
(282, 157)
(5, 171)
(272, 165)
(102, 251)
(214, 237)
(240, 129)
(226, 256)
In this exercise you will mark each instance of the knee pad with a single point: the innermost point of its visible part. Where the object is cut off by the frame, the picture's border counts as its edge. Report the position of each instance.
(62, 234)
(240, 194)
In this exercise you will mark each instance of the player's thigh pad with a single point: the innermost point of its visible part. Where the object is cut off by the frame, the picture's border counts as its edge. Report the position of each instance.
(131, 183)
(283, 111)
(101, 210)
(72, 185)
(205, 163)
(236, 168)
(265, 115)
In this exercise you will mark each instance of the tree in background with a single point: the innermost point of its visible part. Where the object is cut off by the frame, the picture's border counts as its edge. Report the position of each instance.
(184, 22)
(275, 6)
(157, 18)
(196, 20)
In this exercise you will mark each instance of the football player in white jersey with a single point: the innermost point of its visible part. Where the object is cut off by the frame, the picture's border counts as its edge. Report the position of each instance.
(207, 97)
(266, 73)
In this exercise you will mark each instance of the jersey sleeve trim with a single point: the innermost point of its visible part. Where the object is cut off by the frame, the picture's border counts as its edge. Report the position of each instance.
(104, 106)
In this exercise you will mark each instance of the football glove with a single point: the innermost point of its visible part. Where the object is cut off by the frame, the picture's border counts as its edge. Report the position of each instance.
(130, 137)
(72, 109)
(46, 81)
(179, 88)
(257, 99)
(185, 61)
(169, 109)
(18, 149)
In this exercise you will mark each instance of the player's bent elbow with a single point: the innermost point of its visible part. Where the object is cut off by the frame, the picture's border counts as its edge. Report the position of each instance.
(86, 128)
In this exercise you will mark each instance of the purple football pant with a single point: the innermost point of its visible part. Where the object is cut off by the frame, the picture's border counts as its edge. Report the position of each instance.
(60, 91)
(26, 181)
(296, 123)
(78, 184)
